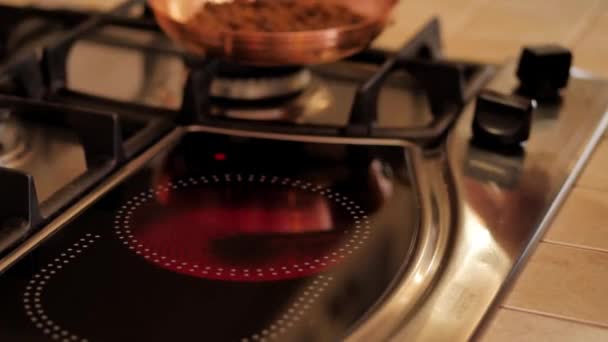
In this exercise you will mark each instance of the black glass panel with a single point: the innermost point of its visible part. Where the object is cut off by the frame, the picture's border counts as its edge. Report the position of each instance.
(222, 238)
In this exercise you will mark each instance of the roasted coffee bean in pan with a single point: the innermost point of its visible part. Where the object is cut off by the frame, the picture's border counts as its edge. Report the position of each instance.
(276, 16)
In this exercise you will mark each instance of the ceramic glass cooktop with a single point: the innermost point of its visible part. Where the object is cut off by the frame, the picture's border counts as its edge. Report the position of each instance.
(222, 238)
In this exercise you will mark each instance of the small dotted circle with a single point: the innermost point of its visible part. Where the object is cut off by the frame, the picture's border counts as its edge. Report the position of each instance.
(294, 313)
(38, 317)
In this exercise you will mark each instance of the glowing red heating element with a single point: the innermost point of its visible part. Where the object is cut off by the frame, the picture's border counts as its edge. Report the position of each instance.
(245, 234)
(219, 156)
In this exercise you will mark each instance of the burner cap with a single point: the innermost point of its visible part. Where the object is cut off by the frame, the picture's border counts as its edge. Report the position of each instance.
(12, 139)
(246, 83)
(312, 101)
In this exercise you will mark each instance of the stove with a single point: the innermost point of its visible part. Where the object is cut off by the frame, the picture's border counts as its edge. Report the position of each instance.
(151, 194)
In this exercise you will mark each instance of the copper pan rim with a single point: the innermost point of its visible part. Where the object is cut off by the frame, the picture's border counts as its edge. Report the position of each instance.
(272, 48)
(305, 35)
(327, 37)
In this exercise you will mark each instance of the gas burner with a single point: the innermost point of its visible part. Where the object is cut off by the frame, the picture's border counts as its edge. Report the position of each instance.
(247, 83)
(297, 108)
(260, 87)
(288, 93)
(13, 141)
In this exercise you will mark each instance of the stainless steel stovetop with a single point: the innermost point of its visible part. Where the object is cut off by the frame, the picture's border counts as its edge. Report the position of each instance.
(392, 196)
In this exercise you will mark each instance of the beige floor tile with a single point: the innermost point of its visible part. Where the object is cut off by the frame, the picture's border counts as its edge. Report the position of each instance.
(499, 29)
(531, 20)
(410, 16)
(495, 30)
(564, 282)
(582, 220)
(591, 49)
(595, 175)
(515, 326)
(595, 63)
(483, 49)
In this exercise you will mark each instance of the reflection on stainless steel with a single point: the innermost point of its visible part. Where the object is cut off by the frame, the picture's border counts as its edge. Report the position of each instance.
(398, 93)
(418, 265)
(499, 168)
(241, 226)
(13, 140)
(129, 75)
(393, 98)
(54, 158)
(380, 183)
(112, 181)
(240, 210)
(87, 73)
(431, 247)
(499, 225)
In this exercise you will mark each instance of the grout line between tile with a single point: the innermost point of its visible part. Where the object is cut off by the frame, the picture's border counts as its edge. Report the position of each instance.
(574, 245)
(585, 24)
(589, 187)
(473, 10)
(555, 316)
(592, 14)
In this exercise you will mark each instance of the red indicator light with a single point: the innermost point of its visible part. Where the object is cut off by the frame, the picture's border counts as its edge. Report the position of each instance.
(219, 156)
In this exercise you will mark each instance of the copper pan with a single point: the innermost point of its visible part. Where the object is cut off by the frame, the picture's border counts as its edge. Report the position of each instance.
(271, 48)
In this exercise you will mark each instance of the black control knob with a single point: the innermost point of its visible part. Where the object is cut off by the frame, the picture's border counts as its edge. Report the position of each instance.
(502, 120)
(543, 70)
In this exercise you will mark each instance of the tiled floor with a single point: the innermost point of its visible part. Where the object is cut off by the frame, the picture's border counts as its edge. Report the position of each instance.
(592, 50)
(582, 221)
(595, 175)
(514, 325)
(565, 282)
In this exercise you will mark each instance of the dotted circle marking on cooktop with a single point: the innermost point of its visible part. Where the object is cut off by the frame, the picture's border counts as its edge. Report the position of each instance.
(32, 296)
(294, 313)
(359, 235)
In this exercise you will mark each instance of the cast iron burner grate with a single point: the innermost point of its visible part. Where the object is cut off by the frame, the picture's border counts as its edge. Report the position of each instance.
(107, 139)
(13, 139)
(448, 84)
(100, 138)
(42, 85)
